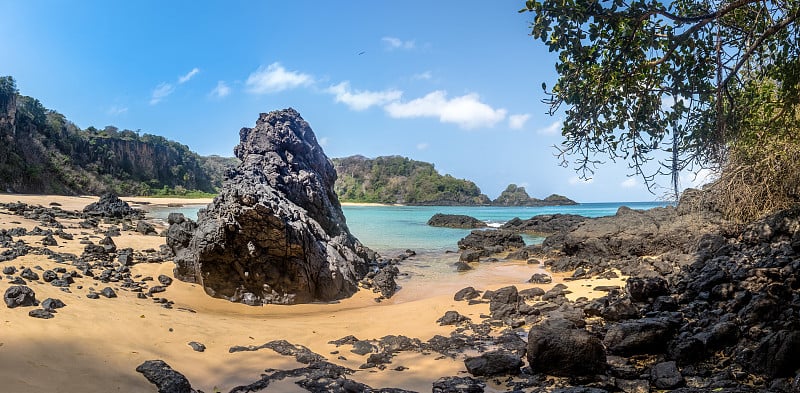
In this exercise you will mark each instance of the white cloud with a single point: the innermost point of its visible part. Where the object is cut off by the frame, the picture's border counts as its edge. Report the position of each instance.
(275, 78)
(467, 111)
(222, 90)
(359, 100)
(324, 141)
(160, 92)
(516, 122)
(189, 75)
(552, 129)
(426, 76)
(423, 146)
(396, 43)
(576, 180)
(117, 110)
(629, 183)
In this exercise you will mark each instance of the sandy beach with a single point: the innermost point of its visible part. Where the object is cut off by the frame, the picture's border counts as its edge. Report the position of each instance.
(95, 345)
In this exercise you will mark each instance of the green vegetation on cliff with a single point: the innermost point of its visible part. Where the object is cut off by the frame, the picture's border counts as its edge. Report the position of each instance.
(43, 152)
(396, 179)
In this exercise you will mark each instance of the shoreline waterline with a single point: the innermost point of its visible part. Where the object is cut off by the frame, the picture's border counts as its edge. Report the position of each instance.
(125, 331)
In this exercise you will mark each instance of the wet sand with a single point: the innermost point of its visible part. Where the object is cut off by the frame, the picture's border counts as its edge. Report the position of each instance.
(95, 345)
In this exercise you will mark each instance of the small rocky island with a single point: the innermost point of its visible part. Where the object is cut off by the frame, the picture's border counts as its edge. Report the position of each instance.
(276, 232)
(455, 221)
(515, 195)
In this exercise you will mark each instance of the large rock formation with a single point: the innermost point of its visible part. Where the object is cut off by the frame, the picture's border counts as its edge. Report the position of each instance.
(276, 232)
(111, 206)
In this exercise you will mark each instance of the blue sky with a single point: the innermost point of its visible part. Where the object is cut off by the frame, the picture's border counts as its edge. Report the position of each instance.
(455, 83)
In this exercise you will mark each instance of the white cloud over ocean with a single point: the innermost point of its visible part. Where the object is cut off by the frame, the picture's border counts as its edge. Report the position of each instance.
(275, 78)
(466, 111)
(359, 100)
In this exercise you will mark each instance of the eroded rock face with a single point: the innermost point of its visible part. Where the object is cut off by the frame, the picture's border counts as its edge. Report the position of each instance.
(276, 232)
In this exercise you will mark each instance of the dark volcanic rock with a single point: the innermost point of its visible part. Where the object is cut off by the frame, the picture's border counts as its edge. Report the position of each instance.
(455, 221)
(29, 274)
(558, 348)
(110, 205)
(196, 346)
(776, 354)
(19, 296)
(544, 224)
(146, 228)
(49, 240)
(451, 318)
(458, 385)
(108, 292)
(462, 266)
(666, 376)
(643, 289)
(467, 293)
(164, 280)
(49, 275)
(166, 379)
(489, 242)
(630, 234)
(179, 235)
(384, 280)
(504, 302)
(51, 304)
(540, 278)
(647, 335)
(493, 363)
(469, 256)
(276, 232)
(40, 313)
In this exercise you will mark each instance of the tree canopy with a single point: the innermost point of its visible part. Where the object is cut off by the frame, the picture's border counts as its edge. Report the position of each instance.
(640, 79)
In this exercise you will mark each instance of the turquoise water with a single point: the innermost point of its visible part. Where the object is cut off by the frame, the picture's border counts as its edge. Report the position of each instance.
(389, 229)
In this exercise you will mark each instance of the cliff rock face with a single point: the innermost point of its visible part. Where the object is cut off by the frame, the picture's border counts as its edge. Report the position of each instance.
(41, 151)
(276, 232)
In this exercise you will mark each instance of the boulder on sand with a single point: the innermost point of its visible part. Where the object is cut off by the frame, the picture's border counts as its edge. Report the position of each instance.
(110, 205)
(557, 347)
(276, 232)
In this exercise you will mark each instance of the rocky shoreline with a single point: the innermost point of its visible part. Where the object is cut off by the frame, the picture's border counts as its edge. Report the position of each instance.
(668, 299)
(709, 307)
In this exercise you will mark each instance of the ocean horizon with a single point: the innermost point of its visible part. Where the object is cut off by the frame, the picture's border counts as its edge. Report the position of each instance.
(390, 229)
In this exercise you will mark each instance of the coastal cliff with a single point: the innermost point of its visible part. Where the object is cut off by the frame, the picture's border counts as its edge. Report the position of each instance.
(43, 152)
